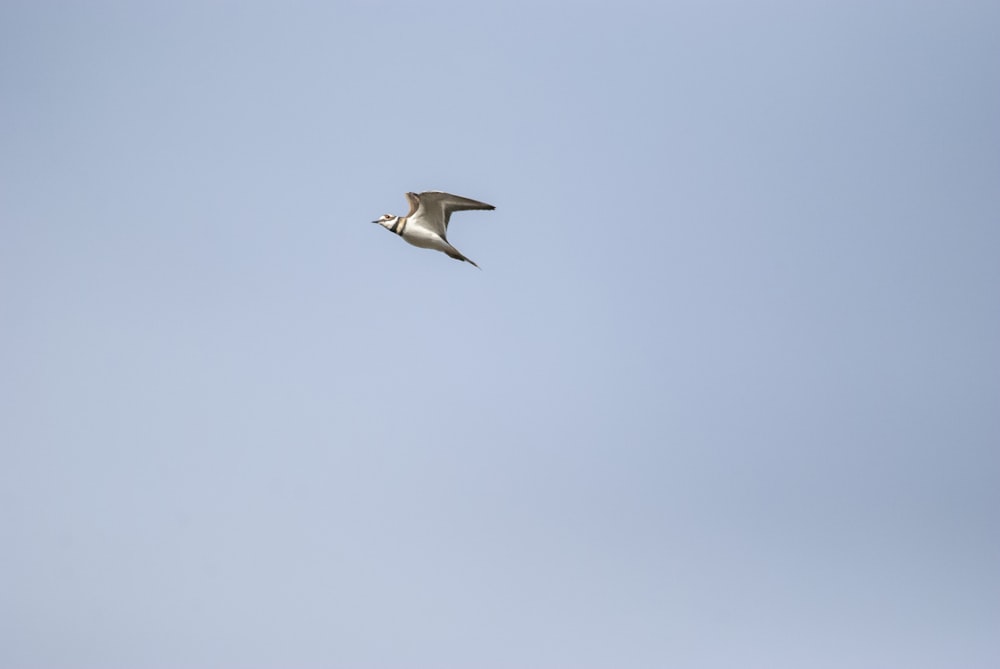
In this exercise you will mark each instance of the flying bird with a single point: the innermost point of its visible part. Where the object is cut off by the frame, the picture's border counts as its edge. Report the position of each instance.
(426, 225)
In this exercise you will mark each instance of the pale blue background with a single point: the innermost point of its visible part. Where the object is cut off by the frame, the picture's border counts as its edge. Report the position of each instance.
(725, 394)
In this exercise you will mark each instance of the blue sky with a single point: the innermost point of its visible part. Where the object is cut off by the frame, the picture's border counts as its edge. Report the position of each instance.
(726, 392)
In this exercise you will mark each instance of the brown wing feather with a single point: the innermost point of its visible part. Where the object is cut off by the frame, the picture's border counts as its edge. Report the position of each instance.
(414, 200)
(446, 203)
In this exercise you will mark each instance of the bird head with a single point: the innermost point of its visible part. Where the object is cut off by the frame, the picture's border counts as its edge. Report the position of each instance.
(387, 220)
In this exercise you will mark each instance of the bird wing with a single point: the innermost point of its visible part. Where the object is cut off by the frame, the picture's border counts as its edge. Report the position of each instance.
(435, 208)
(414, 201)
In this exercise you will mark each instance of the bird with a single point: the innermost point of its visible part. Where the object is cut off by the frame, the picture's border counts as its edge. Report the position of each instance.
(426, 225)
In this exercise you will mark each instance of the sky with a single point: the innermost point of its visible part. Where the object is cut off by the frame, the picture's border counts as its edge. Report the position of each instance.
(725, 393)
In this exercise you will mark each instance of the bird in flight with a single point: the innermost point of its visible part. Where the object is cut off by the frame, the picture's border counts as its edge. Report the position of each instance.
(426, 225)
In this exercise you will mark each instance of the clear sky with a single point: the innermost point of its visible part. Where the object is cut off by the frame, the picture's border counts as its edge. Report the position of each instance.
(726, 392)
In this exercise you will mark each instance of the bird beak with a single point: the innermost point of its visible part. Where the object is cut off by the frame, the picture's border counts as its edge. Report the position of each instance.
(374, 221)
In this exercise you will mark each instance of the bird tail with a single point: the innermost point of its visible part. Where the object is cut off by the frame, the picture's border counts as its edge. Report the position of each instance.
(454, 253)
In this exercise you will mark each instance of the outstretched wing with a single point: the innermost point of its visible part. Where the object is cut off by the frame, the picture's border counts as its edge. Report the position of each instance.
(414, 203)
(435, 208)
